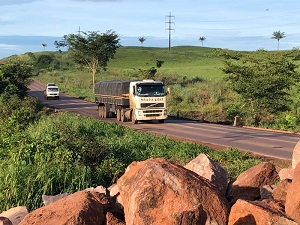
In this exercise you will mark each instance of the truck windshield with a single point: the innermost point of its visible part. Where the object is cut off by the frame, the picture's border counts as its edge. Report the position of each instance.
(150, 90)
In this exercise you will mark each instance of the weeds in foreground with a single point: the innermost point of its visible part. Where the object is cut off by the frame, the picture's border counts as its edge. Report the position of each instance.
(67, 153)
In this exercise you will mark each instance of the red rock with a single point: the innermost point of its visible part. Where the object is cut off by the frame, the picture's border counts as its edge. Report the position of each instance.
(247, 185)
(280, 190)
(286, 173)
(292, 204)
(266, 191)
(112, 220)
(15, 215)
(156, 191)
(296, 155)
(5, 221)
(82, 208)
(257, 213)
(210, 170)
(276, 205)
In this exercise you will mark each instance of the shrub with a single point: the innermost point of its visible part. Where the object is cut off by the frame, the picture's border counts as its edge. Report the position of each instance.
(48, 62)
(67, 153)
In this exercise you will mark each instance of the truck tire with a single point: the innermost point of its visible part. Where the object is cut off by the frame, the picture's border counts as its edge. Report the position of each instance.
(123, 117)
(133, 118)
(118, 114)
(105, 113)
(161, 121)
(99, 112)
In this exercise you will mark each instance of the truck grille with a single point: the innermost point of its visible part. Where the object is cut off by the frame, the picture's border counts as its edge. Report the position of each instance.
(152, 113)
(152, 105)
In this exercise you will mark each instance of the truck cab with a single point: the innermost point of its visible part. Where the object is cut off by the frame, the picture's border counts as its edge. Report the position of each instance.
(148, 101)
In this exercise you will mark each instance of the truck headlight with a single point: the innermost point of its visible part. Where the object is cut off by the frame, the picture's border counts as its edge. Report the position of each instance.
(165, 112)
(140, 113)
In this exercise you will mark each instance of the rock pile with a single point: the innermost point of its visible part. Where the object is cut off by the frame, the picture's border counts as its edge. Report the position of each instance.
(157, 192)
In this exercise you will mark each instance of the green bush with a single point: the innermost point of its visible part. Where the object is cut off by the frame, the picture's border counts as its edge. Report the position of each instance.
(48, 62)
(14, 78)
(67, 153)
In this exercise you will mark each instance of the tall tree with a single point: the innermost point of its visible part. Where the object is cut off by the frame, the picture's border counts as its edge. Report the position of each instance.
(91, 48)
(44, 45)
(202, 39)
(15, 77)
(263, 82)
(142, 40)
(278, 35)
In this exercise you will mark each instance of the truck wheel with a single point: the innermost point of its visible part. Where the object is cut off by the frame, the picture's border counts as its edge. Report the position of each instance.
(118, 114)
(133, 118)
(104, 112)
(99, 112)
(123, 118)
(161, 121)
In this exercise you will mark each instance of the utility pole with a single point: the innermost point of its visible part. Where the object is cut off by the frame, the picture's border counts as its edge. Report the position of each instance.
(79, 31)
(170, 27)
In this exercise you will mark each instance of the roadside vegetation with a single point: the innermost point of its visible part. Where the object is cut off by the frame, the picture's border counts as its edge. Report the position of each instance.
(43, 152)
(259, 88)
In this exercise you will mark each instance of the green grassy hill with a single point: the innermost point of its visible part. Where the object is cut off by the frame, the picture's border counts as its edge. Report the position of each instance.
(187, 61)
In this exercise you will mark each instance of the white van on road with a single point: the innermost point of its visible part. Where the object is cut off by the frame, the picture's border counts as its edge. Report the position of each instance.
(51, 91)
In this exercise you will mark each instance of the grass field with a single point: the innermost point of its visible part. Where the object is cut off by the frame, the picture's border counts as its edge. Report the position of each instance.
(189, 61)
(181, 62)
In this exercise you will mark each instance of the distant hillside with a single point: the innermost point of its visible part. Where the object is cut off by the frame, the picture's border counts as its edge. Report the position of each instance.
(189, 61)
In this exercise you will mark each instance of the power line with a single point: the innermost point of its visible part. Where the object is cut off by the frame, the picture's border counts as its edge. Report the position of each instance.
(170, 27)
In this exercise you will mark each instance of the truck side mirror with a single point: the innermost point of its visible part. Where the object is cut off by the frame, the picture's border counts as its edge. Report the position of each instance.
(168, 91)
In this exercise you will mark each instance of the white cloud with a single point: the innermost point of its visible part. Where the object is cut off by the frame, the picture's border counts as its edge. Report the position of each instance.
(8, 47)
(15, 2)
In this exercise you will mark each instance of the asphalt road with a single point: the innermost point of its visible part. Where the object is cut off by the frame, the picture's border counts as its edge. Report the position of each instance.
(272, 144)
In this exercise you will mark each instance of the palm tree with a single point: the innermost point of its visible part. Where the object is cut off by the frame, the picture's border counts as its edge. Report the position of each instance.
(44, 45)
(202, 39)
(278, 35)
(142, 39)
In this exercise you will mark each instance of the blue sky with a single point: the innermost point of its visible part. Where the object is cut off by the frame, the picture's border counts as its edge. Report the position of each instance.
(232, 24)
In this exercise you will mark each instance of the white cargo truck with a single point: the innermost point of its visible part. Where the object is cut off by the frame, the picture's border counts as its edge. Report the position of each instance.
(132, 100)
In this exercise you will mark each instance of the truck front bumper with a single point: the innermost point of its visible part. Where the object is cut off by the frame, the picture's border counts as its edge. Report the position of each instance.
(151, 114)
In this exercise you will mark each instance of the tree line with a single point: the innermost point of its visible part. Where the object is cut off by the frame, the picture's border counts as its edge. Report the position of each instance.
(278, 35)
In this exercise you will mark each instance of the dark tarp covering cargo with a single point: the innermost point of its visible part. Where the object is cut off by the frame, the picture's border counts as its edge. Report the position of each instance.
(115, 88)
(112, 92)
